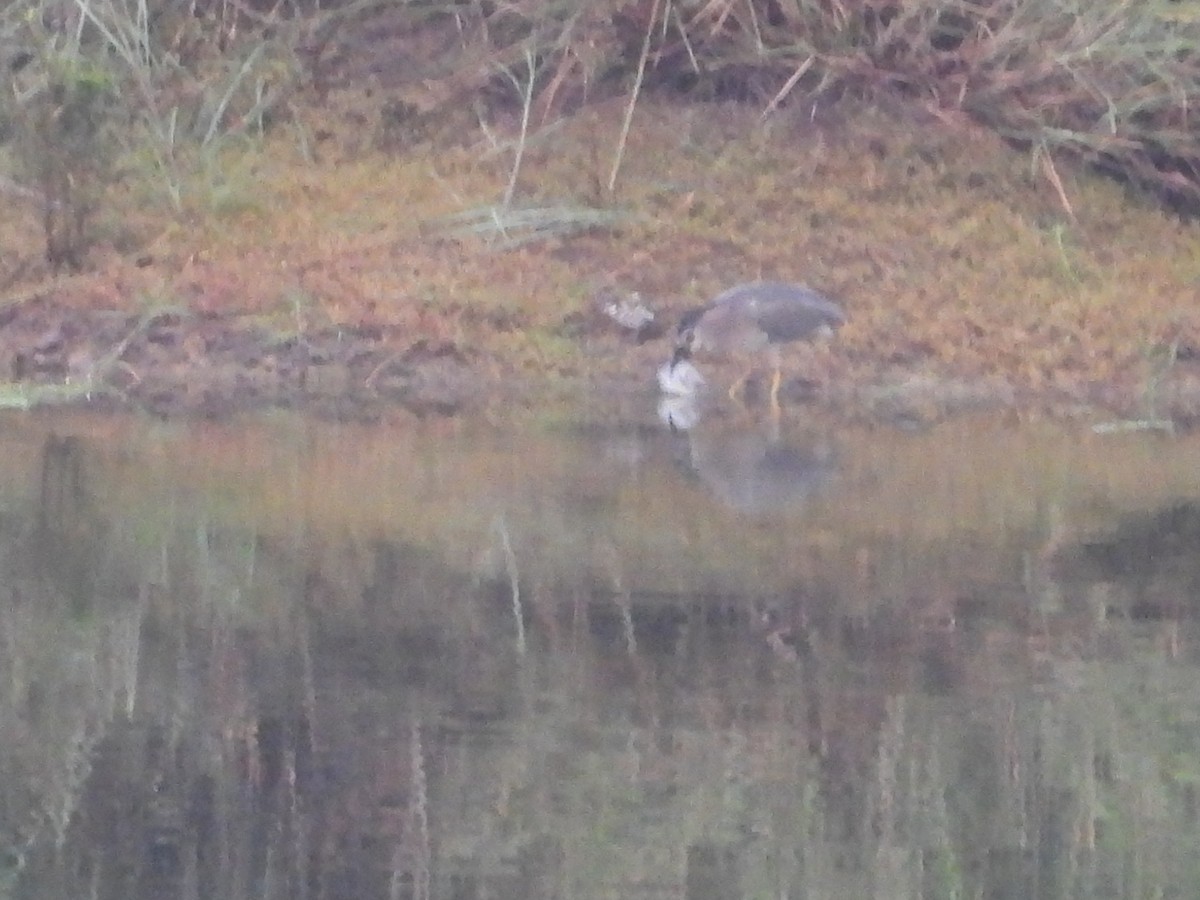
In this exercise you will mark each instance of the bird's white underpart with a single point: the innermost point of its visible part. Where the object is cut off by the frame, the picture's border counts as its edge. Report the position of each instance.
(680, 378)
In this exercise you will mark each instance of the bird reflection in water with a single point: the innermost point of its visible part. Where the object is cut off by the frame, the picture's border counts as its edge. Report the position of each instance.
(752, 470)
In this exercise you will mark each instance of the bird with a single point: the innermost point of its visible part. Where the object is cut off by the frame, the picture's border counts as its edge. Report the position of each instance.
(749, 320)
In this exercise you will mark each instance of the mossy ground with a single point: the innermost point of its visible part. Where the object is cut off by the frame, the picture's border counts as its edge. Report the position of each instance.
(965, 275)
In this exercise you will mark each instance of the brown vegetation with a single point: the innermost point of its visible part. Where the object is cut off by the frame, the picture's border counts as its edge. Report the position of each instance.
(456, 184)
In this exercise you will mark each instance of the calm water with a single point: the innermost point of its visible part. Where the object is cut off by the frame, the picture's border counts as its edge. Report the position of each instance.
(467, 660)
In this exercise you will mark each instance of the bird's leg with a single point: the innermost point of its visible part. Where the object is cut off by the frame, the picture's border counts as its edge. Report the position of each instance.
(776, 380)
(739, 387)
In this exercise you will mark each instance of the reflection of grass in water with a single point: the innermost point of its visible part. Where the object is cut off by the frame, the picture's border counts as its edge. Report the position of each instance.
(941, 779)
(968, 489)
(623, 774)
(74, 661)
(72, 666)
(969, 486)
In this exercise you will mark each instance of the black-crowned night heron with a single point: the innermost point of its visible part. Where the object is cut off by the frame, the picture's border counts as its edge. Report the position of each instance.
(747, 321)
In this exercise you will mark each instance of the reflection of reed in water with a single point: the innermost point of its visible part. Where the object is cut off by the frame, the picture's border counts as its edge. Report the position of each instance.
(62, 494)
(412, 857)
(68, 537)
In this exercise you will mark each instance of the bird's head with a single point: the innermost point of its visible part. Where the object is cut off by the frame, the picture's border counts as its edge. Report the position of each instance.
(683, 350)
(685, 334)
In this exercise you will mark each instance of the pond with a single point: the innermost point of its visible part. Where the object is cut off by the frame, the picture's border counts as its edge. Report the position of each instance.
(465, 659)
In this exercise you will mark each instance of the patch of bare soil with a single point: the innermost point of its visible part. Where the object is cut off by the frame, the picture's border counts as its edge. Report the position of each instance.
(215, 365)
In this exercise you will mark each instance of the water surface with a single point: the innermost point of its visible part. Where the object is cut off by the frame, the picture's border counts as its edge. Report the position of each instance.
(460, 659)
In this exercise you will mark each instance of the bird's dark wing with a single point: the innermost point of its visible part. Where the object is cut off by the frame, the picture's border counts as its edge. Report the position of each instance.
(795, 314)
(689, 319)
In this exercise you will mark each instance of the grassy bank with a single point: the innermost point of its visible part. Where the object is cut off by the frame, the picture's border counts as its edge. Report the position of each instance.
(473, 178)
